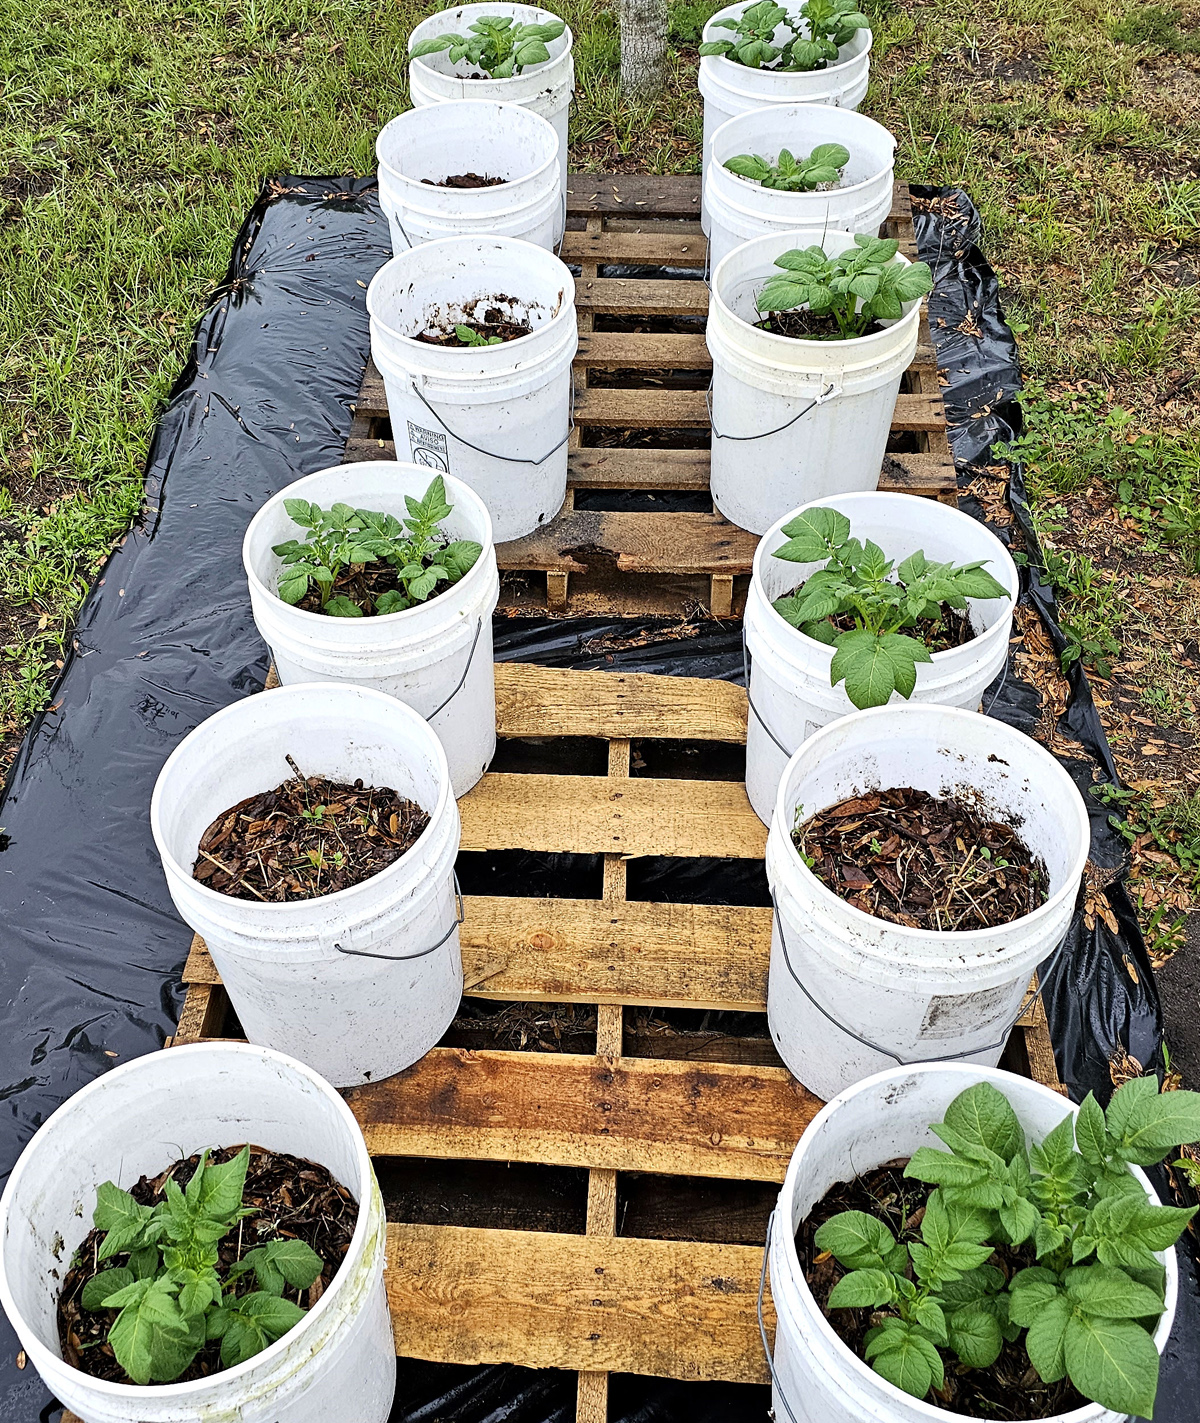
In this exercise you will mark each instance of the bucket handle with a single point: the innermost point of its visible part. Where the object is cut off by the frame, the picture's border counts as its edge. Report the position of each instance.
(1030, 999)
(758, 717)
(762, 1327)
(831, 390)
(488, 454)
(463, 678)
(424, 953)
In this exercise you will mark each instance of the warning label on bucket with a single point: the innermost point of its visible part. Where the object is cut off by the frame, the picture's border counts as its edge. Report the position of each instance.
(428, 448)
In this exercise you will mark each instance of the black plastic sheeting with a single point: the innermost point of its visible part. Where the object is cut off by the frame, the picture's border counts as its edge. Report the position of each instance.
(92, 947)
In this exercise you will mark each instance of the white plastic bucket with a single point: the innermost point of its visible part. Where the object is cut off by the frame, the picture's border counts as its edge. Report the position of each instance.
(436, 657)
(546, 88)
(729, 89)
(818, 1378)
(472, 136)
(849, 994)
(497, 417)
(338, 1362)
(358, 984)
(740, 209)
(795, 421)
(790, 694)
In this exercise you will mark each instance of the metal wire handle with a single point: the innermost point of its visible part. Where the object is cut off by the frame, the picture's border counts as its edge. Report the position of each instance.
(463, 678)
(832, 389)
(1030, 999)
(762, 1328)
(424, 953)
(746, 661)
(488, 454)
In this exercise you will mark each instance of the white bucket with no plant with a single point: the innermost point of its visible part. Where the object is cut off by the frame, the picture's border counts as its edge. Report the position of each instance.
(795, 421)
(740, 208)
(338, 1362)
(817, 1378)
(850, 994)
(361, 983)
(730, 89)
(436, 657)
(546, 88)
(498, 417)
(422, 148)
(790, 694)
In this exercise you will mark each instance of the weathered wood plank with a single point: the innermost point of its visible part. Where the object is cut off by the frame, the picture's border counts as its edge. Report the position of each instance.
(648, 350)
(630, 350)
(607, 704)
(633, 194)
(659, 245)
(665, 543)
(669, 1117)
(586, 815)
(652, 296)
(674, 1309)
(681, 409)
(585, 951)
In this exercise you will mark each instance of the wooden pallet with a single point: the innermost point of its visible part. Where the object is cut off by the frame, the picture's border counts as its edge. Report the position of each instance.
(682, 1111)
(642, 422)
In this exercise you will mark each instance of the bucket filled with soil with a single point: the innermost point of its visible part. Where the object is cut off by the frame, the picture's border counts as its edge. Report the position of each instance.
(474, 338)
(792, 688)
(799, 415)
(870, 1152)
(426, 637)
(309, 835)
(739, 208)
(729, 88)
(924, 861)
(254, 1168)
(479, 168)
(546, 87)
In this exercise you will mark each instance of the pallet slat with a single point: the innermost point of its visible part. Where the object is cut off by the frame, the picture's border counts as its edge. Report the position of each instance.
(672, 1309)
(648, 543)
(681, 409)
(608, 704)
(671, 1118)
(584, 815)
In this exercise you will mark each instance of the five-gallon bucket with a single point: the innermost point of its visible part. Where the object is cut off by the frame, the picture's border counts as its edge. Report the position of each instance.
(741, 208)
(435, 656)
(498, 417)
(729, 88)
(421, 149)
(546, 88)
(339, 1361)
(360, 983)
(816, 1377)
(795, 421)
(850, 994)
(790, 693)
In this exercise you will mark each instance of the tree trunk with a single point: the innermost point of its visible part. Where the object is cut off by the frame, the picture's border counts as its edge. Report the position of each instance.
(643, 48)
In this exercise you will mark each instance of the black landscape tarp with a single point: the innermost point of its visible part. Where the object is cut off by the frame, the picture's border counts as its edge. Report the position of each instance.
(90, 945)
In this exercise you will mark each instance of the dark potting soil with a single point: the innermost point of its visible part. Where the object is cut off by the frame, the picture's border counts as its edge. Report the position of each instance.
(308, 837)
(364, 585)
(951, 628)
(1011, 1389)
(802, 325)
(292, 1199)
(465, 180)
(928, 863)
(485, 320)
